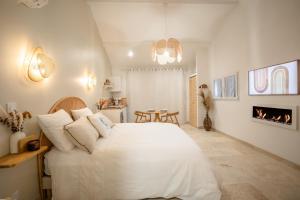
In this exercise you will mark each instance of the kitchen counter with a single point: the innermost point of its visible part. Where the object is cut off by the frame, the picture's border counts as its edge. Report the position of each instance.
(114, 107)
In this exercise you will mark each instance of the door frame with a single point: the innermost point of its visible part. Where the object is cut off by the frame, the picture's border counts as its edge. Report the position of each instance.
(197, 104)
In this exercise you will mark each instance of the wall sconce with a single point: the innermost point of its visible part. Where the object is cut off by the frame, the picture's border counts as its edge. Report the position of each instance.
(91, 81)
(40, 66)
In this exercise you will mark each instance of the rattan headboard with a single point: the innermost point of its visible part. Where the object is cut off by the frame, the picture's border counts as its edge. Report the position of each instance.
(68, 104)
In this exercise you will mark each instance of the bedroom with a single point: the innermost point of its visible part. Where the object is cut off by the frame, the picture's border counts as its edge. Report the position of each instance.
(89, 42)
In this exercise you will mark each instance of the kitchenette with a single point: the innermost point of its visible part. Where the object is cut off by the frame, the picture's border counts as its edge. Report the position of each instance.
(114, 107)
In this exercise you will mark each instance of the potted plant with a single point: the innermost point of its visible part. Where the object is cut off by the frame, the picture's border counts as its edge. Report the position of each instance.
(207, 103)
(14, 121)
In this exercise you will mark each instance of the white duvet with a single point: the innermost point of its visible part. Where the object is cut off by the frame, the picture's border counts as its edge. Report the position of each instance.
(137, 161)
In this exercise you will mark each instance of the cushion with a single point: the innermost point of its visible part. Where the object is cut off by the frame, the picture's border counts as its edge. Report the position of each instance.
(53, 127)
(101, 123)
(106, 120)
(81, 113)
(83, 134)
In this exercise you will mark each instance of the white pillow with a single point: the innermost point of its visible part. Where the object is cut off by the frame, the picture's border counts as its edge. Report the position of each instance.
(101, 123)
(83, 134)
(53, 127)
(81, 113)
(106, 120)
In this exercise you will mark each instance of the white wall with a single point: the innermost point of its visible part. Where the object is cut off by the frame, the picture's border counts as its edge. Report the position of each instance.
(122, 73)
(67, 32)
(256, 34)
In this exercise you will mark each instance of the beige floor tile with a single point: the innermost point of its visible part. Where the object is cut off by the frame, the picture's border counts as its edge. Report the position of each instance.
(243, 172)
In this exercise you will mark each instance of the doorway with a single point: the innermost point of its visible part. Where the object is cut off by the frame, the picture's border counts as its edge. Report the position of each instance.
(193, 100)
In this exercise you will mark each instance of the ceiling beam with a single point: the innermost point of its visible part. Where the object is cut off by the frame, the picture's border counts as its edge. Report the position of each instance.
(170, 1)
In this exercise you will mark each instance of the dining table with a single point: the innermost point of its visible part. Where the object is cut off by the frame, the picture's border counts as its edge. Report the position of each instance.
(157, 114)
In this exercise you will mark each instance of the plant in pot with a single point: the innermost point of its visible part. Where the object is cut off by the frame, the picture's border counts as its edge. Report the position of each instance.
(207, 103)
(15, 121)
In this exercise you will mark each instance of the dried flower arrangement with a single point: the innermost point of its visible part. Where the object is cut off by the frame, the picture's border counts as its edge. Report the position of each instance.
(14, 120)
(103, 103)
(207, 103)
(206, 98)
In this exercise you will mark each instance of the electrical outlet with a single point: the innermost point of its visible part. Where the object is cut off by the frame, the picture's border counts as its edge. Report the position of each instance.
(11, 106)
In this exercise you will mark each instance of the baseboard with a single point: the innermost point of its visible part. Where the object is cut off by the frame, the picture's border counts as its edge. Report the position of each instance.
(276, 157)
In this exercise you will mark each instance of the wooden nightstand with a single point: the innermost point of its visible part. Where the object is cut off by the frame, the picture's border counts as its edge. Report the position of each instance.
(11, 160)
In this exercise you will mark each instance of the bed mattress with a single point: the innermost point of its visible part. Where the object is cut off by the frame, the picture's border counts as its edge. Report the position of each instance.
(137, 161)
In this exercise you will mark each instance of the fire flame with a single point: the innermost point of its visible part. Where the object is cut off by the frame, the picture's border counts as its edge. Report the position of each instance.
(287, 118)
(262, 115)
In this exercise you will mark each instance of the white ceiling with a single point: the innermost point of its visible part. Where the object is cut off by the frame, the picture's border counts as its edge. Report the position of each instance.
(136, 24)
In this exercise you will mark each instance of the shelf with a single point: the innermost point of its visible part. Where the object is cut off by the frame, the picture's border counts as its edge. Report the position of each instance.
(11, 160)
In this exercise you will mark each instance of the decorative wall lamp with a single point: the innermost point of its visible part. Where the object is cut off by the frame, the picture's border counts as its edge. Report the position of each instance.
(40, 66)
(91, 81)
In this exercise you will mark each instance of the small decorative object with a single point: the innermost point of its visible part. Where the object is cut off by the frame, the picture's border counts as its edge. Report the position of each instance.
(34, 3)
(103, 103)
(14, 121)
(123, 101)
(33, 145)
(107, 82)
(206, 101)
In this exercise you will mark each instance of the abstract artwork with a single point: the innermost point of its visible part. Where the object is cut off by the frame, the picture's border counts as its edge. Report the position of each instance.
(279, 79)
(261, 80)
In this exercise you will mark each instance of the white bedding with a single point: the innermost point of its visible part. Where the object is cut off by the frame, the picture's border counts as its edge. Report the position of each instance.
(137, 161)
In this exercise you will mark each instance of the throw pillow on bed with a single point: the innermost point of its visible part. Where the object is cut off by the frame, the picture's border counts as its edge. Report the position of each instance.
(81, 113)
(101, 123)
(83, 134)
(53, 127)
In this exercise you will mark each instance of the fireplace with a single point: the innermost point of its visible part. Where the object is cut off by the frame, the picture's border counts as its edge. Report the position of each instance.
(283, 116)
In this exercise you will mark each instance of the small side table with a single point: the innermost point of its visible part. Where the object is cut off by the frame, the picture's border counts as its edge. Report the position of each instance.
(12, 160)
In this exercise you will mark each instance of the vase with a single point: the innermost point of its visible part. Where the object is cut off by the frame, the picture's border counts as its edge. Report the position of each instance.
(207, 124)
(14, 141)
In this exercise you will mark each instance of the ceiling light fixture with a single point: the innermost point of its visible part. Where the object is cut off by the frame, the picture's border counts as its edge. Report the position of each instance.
(130, 54)
(166, 50)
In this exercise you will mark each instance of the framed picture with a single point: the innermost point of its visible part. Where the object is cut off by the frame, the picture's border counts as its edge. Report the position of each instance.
(281, 79)
(217, 89)
(231, 87)
(226, 87)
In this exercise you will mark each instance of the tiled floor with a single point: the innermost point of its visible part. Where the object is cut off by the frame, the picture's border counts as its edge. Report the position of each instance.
(245, 173)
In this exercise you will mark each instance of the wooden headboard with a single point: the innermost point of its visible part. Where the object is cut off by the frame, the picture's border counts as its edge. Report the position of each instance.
(67, 104)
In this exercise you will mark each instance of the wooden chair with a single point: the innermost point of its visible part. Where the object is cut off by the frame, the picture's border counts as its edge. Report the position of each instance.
(141, 117)
(163, 114)
(172, 118)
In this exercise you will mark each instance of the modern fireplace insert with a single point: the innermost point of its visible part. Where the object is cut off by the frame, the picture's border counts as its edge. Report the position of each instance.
(283, 116)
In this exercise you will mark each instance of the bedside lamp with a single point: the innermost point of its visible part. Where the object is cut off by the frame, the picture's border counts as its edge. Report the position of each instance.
(40, 66)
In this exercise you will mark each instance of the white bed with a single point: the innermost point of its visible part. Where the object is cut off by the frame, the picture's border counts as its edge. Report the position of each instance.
(137, 161)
